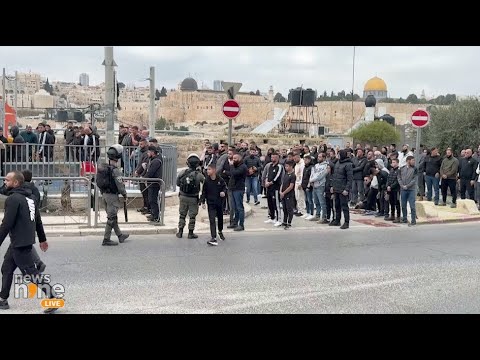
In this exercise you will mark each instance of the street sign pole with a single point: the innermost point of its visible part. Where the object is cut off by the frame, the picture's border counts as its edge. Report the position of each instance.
(231, 89)
(417, 147)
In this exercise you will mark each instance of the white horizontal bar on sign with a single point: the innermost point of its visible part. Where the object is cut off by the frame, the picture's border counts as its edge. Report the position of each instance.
(228, 108)
(424, 118)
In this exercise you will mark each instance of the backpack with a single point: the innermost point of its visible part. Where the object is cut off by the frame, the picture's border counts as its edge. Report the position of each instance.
(104, 179)
(189, 184)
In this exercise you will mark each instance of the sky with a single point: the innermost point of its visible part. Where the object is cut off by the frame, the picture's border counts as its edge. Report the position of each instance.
(406, 70)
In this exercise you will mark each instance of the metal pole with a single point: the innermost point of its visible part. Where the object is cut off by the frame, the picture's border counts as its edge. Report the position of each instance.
(109, 64)
(230, 132)
(417, 147)
(152, 102)
(353, 84)
(2, 110)
(16, 97)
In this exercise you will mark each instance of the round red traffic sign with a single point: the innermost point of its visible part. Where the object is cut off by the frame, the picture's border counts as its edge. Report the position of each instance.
(420, 118)
(231, 109)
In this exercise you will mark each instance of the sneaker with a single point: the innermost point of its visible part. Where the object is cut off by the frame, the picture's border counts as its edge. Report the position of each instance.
(334, 223)
(221, 236)
(391, 218)
(404, 221)
(277, 224)
(231, 226)
(412, 224)
(310, 218)
(122, 238)
(191, 235)
(324, 221)
(298, 213)
(257, 202)
(107, 242)
(212, 242)
(248, 201)
(443, 204)
(305, 216)
(269, 221)
(4, 304)
(379, 215)
(264, 196)
(396, 221)
(453, 206)
(239, 228)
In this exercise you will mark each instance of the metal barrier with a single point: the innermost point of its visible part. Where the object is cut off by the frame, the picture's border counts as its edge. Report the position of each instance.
(58, 160)
(46, 182)
(161, 198)
(131, 160)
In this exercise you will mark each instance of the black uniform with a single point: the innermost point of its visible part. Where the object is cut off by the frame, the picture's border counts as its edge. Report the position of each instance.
(393, 198)
(467, 172)
(21, 221)
(342, 181)
(288, 201)
(211, 195)
(141, 172)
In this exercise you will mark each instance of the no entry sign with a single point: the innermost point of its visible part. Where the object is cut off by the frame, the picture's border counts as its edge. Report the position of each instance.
(231, 109)
(420, 118)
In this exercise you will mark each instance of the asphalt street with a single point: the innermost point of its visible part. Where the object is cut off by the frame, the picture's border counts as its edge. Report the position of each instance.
(428, 269)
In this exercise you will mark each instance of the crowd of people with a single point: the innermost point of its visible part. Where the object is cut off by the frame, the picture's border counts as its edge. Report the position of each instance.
(323, 183)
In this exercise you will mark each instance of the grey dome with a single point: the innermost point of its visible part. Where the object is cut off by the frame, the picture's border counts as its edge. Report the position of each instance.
(370, 101)
(189, 84)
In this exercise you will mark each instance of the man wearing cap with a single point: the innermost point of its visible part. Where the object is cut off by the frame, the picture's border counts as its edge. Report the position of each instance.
(68, 135)
(189, 181)
(154, 171)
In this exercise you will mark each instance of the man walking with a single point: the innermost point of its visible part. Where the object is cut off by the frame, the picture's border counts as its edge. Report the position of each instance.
(21, 221)
(109, 181)
(407, 179)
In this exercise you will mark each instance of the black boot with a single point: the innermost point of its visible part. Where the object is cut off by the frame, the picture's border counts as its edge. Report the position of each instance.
(179, 233)
(191, 235)
(107, 242)
(344, 226)
(231, 226)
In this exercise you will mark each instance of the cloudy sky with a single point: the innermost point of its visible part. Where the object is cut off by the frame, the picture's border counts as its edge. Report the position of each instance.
(437, 70)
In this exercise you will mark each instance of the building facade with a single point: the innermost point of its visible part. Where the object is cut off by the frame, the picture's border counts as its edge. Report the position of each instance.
(84, 80)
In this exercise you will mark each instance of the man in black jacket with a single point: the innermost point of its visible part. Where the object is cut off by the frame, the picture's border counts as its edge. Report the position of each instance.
(68, 135)
(431, 170)
(393, 192)
(214, 190)
(45, 143)
(140, 171)
(358, 190)
(18, 149)
(238, 173)
(467, 167)
(21, 221)
(306, 186)
(272, 183)
(154, 171)
(341, 185)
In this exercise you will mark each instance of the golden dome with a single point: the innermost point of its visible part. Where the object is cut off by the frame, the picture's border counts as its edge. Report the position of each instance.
(375, 84)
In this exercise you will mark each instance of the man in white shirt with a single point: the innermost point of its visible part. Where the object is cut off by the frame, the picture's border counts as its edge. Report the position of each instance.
(299, 194)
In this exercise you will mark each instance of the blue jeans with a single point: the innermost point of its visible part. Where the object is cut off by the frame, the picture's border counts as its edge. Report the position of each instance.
(432, 180)
(408, 196)
(309, 201)
(252, 187)
(319, 199)
(237, 196)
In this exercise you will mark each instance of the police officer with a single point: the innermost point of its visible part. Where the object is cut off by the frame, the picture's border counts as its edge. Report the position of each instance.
(189, 182)
(110, 197)
(154, 171)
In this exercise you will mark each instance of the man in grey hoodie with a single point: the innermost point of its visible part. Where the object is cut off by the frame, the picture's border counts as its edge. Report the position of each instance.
(317, 178)
(407, 179)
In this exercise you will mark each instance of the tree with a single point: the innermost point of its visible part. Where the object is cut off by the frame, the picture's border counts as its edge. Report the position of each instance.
(161, 123)
(163, 92)
(257, 92)
(341, 95)
(48, 88)
(455, 126)
(450, 99)
(279, 98)
(325, 95)
(376, 132)
(412, 99)
(251, 93)
(121, 85)
(157, 94)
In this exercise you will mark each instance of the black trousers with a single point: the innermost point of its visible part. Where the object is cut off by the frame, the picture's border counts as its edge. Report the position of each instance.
(24, 259)
(288, 204)
(341, 205)
(144, 190)
(273, 201)
(394, 203)
(466, 187)
(452, 185)
(371, 199)
(215, 211)
(329, 202)
(153, 200)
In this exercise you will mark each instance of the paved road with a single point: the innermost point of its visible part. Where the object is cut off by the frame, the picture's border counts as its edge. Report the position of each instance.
(429, 269)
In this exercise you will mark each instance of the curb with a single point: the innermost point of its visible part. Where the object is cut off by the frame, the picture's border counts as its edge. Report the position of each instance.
(99, 231)
(446, 221)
